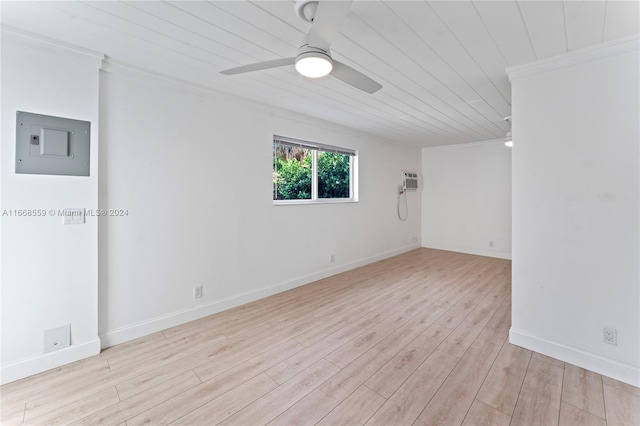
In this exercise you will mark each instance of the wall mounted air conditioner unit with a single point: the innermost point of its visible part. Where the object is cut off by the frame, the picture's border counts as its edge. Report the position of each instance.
(409, 180)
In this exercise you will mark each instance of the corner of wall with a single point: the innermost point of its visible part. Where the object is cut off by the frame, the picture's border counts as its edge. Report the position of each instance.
(41, 295)
(576, 207)
(623, 372)
(466, 198)
(30, 366)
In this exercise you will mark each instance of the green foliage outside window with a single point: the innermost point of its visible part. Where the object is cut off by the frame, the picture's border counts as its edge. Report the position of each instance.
(333, 175)
(292, 177)
(293, 169)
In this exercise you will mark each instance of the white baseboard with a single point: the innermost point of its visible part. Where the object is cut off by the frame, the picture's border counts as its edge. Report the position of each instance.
(623, 372)
(28, 367)
(153, 325)
(467, 250)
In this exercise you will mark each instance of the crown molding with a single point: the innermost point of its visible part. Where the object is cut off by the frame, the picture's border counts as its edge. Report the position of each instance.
(464, 145)
(23, 39)
(113, 66)
(576, 57)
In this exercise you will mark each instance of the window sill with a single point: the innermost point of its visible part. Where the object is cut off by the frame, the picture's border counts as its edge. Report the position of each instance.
(325, 201)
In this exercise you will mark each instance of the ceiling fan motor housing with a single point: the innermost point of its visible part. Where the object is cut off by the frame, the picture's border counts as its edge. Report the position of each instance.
(306, 9)
(305, 49)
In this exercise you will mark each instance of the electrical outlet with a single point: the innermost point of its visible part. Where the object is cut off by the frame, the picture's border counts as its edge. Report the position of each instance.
(197, 291)
(414, 239)
(331, 258)
(490, 243)
(610, 336)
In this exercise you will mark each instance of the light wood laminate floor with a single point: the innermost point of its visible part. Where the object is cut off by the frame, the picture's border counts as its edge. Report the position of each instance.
(418, 339)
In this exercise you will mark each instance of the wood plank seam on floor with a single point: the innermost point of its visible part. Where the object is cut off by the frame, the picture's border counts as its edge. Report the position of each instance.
(475, 396)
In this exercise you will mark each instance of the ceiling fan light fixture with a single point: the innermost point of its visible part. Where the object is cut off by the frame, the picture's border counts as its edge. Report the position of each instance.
(508, 140)
(314, 55)
(314, 64)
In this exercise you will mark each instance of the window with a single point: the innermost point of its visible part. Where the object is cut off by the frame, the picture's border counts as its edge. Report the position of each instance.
(311, 172)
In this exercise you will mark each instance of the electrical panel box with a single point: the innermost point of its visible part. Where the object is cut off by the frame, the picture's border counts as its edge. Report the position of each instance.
(409, 181)
(47, 145)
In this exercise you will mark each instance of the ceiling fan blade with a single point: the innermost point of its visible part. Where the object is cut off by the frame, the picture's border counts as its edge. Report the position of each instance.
(276, 63)
(327, 21)
(354, 78)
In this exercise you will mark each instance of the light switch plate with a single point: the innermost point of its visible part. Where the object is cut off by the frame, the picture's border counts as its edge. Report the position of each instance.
(73, 217)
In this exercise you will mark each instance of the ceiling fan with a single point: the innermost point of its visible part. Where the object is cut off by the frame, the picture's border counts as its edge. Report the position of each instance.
(314, 58)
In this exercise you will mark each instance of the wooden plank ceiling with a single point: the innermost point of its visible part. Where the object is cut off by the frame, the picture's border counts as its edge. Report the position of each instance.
(442, 63)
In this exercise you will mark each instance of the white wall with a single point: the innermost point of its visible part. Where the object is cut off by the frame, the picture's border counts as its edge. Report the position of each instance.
(576, 215)
(49, 271)
(194, 171)
(466, 198)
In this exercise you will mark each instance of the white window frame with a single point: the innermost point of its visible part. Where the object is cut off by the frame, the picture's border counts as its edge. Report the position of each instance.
(315, 148)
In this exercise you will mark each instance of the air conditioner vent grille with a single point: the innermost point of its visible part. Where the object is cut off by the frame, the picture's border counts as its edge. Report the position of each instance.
(410, 180)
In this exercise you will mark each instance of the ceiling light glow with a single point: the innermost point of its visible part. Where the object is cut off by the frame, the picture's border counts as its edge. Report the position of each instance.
(508, 140)
(314, 64)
